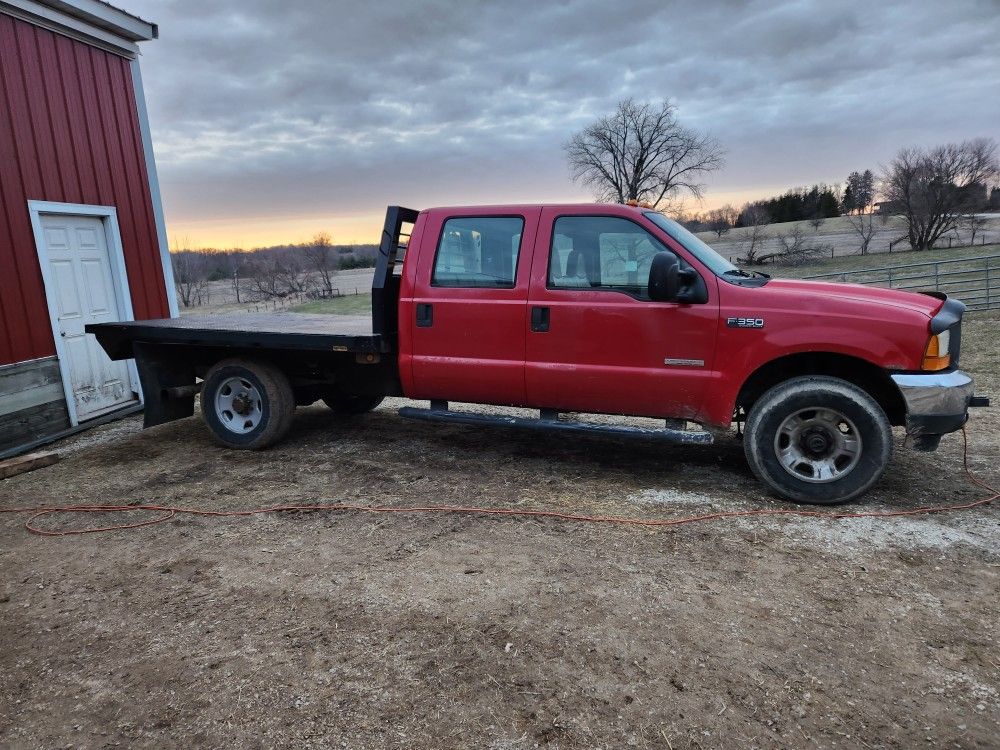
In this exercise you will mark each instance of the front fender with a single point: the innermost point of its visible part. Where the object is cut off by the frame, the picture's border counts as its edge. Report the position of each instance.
(887, 345)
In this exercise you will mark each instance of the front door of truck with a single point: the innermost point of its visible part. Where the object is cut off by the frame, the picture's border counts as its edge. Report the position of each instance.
(596, 342)
(469, 306)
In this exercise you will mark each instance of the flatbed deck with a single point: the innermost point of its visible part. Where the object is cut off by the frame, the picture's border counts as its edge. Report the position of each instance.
(279, 330)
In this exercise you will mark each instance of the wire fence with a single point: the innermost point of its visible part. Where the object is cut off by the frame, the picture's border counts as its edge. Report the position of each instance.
(975, 281)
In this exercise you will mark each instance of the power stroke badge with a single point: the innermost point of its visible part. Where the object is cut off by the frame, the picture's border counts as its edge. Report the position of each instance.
(744, 322)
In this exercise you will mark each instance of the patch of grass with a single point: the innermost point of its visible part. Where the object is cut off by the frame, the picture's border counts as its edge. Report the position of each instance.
(355, 304)
(981, 350)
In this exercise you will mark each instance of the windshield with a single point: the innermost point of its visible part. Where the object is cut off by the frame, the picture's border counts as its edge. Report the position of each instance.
(698, 248)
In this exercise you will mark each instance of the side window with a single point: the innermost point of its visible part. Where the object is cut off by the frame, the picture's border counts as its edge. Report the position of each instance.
(478, 252)
(601, 252)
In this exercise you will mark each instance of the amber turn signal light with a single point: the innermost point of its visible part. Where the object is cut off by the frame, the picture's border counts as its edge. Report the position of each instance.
(936, 356)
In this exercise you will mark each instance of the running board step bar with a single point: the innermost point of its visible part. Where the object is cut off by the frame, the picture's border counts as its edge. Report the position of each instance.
(549, 420)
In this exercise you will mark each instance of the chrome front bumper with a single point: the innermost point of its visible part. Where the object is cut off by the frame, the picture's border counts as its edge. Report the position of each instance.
(936, 393)
(936, 403)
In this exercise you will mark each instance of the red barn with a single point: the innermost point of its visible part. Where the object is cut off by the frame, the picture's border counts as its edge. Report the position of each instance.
(82, 237)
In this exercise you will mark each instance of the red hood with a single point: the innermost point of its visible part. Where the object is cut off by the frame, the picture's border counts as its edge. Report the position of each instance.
(921, 303)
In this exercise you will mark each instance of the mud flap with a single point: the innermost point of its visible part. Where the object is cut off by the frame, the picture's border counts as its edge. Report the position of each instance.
(163, 380)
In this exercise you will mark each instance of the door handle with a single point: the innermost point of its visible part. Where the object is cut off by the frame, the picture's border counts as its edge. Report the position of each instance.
(425, 315)
(540, 319)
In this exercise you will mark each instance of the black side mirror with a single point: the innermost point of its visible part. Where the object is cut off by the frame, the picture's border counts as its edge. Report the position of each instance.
(664, 277)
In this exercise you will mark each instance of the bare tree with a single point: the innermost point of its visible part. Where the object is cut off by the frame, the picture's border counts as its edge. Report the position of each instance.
(293, 276)
(190, 277)
(795, 248)
(641, 153)
(863, 225)
(237, 260)
(276, 273)
(721, 220)
(936, 187)
(862, 216)
(755, 220)
(265, 278)
(322, 258)
(816, 220)
(975, 223)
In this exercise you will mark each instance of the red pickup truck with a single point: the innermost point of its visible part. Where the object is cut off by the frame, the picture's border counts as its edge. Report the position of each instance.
(607, 309)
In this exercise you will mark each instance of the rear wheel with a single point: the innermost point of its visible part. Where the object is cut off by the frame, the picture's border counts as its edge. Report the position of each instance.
(351, 405)
(817, 440)
(247, 404)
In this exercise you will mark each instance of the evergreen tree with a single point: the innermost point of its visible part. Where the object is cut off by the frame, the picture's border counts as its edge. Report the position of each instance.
(849, 203)
(865, 196)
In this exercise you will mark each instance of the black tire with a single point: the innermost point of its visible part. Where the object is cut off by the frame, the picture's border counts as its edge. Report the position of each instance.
(833, 437)
(351, 405)
(268, 413)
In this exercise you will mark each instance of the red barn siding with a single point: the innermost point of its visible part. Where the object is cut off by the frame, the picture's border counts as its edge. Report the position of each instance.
(69, 132)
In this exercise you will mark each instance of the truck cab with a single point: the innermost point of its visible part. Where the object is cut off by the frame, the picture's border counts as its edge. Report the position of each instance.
(599, 308)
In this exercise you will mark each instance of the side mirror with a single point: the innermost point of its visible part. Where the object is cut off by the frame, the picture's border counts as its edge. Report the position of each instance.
(664, 277)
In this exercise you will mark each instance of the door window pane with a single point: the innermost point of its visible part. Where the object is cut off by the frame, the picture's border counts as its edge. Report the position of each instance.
(601, 252)
(478, 252)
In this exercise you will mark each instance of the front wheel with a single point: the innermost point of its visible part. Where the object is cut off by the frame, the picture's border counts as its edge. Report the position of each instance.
(817, 440)
(247, 404)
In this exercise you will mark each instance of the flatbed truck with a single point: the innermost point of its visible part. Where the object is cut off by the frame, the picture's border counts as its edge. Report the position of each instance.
(594, 308)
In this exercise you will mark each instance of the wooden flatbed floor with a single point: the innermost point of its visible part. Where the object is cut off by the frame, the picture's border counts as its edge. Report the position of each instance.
(283, 330)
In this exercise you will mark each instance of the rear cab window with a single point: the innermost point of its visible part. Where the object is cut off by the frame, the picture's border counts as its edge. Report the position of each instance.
(478, 252)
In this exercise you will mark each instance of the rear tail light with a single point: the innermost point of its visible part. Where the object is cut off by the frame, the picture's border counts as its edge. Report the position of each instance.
(937, 356)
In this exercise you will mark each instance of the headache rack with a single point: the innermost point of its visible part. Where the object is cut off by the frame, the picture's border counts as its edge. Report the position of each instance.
(385, 284)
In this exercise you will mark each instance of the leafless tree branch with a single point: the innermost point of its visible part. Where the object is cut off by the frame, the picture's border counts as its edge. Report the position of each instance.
(641, 153)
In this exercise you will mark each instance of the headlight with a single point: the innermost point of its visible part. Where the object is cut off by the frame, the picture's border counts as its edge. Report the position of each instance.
(936, 356)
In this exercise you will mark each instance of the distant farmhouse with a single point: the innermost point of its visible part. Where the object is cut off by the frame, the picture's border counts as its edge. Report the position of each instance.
(889, 208)
(82, 238)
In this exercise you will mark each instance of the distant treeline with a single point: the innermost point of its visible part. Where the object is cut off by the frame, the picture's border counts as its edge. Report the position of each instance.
(820, 202)
(265, 273)
(799, 204)
(815, 203)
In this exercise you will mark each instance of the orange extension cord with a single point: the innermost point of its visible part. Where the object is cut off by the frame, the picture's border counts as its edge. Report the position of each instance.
(168, 511)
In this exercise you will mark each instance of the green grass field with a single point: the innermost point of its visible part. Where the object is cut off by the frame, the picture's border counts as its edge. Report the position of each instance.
(838, 234)
(880, 260)
(355, 304)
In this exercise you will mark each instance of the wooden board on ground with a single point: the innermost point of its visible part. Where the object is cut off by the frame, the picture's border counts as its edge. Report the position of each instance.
(20, 464)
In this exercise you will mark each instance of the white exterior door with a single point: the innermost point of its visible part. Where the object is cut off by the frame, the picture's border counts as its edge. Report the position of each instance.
(84, 289)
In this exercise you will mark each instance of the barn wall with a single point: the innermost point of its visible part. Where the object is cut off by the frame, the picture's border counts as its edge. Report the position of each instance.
(69, 132)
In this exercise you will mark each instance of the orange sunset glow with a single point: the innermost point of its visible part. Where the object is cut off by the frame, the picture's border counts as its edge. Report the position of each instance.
(362, 228)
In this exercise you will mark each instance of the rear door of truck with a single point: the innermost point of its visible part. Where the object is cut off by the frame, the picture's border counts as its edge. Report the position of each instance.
(469, 321)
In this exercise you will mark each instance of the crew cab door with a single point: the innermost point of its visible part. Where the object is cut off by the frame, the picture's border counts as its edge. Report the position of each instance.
(469, 319)
(596, 342)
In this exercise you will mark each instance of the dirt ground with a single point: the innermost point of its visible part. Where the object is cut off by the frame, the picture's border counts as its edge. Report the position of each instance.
(362, 631)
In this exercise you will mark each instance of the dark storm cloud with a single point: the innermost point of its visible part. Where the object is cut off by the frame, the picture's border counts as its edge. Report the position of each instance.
(311, 106)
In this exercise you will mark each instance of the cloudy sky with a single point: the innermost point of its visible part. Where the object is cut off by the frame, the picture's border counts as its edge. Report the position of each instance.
(275, 119)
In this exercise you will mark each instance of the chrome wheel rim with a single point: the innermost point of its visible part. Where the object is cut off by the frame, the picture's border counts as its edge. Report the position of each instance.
(238, 405)
(818, 445)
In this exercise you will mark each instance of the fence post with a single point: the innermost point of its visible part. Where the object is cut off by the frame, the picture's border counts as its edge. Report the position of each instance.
(936, 267)
(987, 283)
(890, 276)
